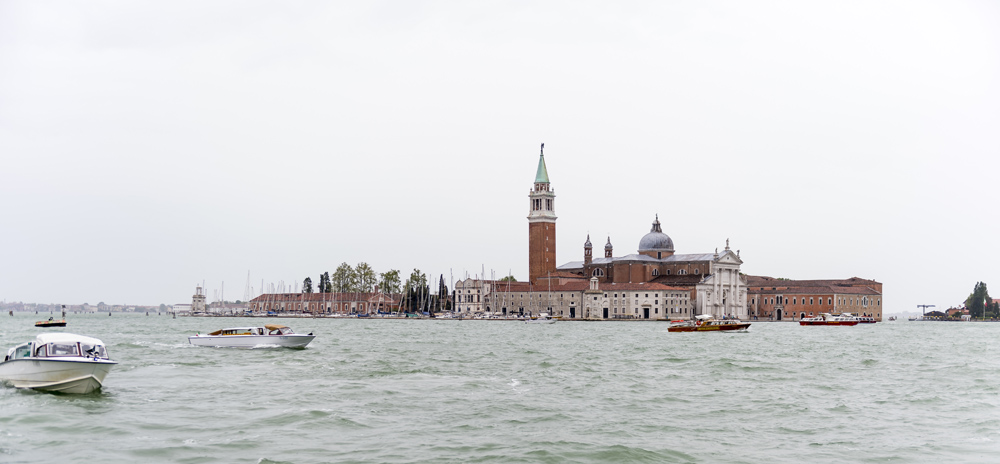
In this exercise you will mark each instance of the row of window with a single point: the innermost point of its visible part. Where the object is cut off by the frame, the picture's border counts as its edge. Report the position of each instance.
(598, 272)
(863, 301)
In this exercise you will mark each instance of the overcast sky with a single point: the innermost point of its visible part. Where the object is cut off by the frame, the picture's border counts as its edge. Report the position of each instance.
(147, 147)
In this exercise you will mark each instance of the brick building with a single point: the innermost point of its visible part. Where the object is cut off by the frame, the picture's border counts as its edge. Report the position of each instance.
(782, 299)
(573, 298)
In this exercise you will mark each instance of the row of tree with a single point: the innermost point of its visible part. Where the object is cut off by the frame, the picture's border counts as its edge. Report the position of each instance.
(356, 279)
(980, 305)
(363, 279)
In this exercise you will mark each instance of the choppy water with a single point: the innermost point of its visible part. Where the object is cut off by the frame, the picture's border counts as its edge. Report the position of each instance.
(482, 391)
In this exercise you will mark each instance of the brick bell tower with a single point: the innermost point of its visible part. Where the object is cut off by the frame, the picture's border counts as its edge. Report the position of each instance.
(541, 224)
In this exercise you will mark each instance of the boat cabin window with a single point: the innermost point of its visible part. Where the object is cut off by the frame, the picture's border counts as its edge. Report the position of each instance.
(63, 349)
(241, 331)
(94, 351)
(23, 351)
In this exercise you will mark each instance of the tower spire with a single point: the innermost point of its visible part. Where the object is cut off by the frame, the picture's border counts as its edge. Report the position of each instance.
(542, 175)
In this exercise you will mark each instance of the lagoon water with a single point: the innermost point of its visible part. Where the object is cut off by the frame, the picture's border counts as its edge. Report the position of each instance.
(498, 391)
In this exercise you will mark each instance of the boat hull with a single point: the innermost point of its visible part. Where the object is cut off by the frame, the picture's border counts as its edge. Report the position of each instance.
(50, 324)
(847, 323)
(251, 341)
(67, 376)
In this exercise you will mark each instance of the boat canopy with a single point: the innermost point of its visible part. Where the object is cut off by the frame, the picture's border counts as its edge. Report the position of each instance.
(275, 326)
(56, 337)
(704, 317)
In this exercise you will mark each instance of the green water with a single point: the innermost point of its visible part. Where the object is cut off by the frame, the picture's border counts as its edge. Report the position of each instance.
(499, 391)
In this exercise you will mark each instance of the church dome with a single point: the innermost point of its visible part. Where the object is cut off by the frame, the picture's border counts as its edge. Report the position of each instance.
(656, 240)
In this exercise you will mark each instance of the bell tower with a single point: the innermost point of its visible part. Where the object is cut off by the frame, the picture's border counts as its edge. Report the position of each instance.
(541, 224)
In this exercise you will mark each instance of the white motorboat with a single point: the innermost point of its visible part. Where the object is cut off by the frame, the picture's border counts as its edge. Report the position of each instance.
(59, 362)
(831, 319)
(250, 337)
(542, 318)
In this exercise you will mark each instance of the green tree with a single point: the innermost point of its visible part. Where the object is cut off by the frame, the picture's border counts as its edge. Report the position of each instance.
(416, 290)
(343, 278)
(509, 278)
(977, 302)
(389, 282)
(442, 296)
(417, 279)
(307, 285)
(324, 283)
(367, 279)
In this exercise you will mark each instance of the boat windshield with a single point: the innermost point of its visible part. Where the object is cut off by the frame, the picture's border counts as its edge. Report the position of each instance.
(23, 351)
(63, 349)
(94, 351)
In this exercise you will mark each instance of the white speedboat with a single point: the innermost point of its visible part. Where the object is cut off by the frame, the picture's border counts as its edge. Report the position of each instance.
(830, 319)
(59, 362)
(249, 337)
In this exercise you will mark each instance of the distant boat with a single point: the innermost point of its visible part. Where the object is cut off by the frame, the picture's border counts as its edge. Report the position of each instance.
(51, 323)
(830, 319)
(58, 362)
(707, 323)
(542, 318)
(249, 337)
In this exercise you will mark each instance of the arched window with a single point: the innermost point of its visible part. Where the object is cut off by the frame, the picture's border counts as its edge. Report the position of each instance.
(656, 272)
(598, 272)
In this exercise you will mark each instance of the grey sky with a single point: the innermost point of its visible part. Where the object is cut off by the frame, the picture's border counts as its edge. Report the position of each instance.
(147, 147)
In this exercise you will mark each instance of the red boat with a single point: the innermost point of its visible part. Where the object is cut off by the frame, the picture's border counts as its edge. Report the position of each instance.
(830, 319)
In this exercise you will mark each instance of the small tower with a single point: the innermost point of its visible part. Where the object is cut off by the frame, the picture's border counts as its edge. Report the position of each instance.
(198, 301)
(541, 224)
(588, 252)
(608, 249)
(593, 301)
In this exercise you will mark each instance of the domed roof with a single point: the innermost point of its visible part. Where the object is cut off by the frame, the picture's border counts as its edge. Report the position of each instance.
(656, 240)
